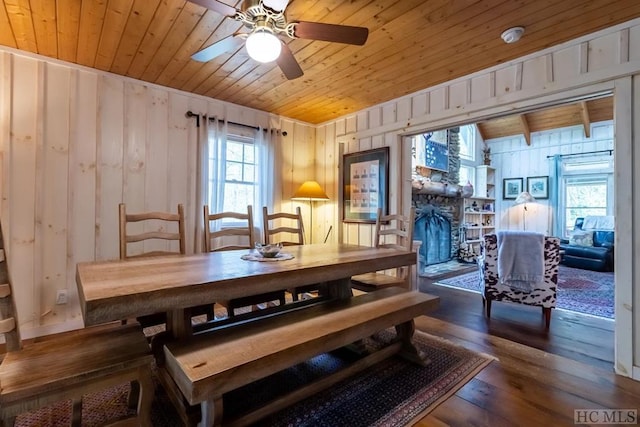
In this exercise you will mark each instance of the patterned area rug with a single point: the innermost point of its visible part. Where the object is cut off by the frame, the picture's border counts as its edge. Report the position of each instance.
(582, 291)
(436, 271)
(394, 392)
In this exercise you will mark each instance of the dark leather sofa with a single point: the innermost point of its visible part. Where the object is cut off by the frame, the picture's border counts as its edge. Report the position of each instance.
(598, 257)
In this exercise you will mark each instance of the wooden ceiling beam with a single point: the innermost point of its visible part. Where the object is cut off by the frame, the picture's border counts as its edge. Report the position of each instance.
(586, 121)
(525, 128)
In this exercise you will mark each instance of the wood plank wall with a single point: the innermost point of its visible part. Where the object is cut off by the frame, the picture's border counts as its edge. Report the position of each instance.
(110, 122)
(76, 142)
(513, 158)
(602, 62)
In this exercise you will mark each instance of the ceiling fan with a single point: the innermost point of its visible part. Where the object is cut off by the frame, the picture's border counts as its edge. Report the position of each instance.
(265, 20)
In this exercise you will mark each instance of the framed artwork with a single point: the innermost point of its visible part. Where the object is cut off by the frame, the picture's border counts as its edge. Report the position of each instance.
(437, 150)
(511, 187)
(538, 186)
(365, 185)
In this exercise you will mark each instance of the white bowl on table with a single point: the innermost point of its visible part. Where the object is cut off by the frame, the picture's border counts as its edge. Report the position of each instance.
(269, 251)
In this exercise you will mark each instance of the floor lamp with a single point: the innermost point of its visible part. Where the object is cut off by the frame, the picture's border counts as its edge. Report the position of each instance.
(310, 191)
(522, 199)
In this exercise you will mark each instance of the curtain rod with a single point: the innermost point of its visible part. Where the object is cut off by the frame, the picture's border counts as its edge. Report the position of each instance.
(582, 154)
(197, 116)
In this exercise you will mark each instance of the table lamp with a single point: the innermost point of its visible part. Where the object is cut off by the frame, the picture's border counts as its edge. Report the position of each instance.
(522, 199)
(311, 191)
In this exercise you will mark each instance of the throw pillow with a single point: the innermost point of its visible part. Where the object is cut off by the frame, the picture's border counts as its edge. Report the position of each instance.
(581, 238)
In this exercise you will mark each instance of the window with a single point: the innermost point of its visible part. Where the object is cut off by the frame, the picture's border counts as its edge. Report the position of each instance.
(240, 175)
(233, 174)
(585, 196)
(468, 143)
(587, 190)
(467, 174)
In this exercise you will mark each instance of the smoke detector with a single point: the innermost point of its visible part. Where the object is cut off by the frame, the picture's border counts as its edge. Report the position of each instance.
(512, 35)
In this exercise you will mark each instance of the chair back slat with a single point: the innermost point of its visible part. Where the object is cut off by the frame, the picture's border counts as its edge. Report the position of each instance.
(214, 240)
(396, 231)
(398, 227)
(5, 290)
(295, 231)
(8, 314)
(168, 226)
(7, 325)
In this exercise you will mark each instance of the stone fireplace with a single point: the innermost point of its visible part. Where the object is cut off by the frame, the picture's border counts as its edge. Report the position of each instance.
(438, 213)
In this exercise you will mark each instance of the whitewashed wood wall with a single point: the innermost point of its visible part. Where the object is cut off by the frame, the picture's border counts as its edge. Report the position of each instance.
(603, 62)
(513, 158)
(75, 143)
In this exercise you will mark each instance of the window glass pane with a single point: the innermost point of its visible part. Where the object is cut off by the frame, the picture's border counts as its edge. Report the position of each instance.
(237, 196)
(234, 151)
(468, 142)
(584, 196)
(249, 154)
(467, 174)
(249, 173)
(234, 171)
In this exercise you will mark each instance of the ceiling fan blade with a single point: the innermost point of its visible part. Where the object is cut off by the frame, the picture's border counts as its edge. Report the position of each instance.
(331, 32)
(227, 44)
(288, 64)
(216, 6)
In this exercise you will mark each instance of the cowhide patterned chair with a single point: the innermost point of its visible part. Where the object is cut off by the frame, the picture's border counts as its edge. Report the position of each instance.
(544, 296)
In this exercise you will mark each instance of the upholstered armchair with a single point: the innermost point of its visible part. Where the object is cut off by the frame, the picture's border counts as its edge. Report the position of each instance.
(493, 290)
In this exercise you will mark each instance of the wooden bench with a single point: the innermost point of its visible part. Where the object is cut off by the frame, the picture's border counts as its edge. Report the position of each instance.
(69, 365)
(212, 364)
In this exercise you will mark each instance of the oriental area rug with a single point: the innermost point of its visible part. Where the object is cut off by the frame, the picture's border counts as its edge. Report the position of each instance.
(582, 291)
(392, 393)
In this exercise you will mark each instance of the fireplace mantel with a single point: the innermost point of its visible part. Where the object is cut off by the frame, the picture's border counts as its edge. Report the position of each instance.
(444, 189)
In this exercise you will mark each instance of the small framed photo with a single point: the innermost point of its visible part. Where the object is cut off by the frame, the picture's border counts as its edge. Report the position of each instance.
(511, 187)
(538, 186)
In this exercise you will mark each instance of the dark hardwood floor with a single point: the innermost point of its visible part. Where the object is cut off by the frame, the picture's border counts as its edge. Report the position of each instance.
(540, 377)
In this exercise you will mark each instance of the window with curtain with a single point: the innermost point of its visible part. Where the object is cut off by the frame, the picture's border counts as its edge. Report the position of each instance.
(588, 191)
(240, 175)
(237, 157)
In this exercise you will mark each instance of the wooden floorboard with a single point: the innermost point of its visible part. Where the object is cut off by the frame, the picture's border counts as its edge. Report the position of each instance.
(539, 377)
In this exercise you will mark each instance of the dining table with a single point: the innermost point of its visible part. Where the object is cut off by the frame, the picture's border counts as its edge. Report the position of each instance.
(123, 289)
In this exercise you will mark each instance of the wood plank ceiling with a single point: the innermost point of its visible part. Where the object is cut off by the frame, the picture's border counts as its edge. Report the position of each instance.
(579, 113)
(413, 44)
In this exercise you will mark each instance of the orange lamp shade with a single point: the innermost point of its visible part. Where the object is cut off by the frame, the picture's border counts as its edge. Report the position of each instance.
(310, 190)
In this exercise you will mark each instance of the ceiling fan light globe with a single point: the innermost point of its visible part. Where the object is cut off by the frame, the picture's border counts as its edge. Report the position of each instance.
(263, 46)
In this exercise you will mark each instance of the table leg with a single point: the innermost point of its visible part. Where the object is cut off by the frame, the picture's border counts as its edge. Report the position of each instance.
(409, 351)
(179, 323)
(339, 289)
(211, 412)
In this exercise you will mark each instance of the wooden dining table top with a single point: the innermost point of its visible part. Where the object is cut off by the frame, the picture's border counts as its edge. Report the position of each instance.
(121, 289)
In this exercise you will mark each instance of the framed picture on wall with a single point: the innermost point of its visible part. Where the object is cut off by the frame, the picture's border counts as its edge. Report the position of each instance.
(511, 187)
(437, 150)
(365, 185)
(538, 186)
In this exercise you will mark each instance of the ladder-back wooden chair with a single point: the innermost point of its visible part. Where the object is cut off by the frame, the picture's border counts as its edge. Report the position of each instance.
(69, 365)
(157, 234)
(274, 234)
(295, 230)
(392, 231)
(231, 238)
